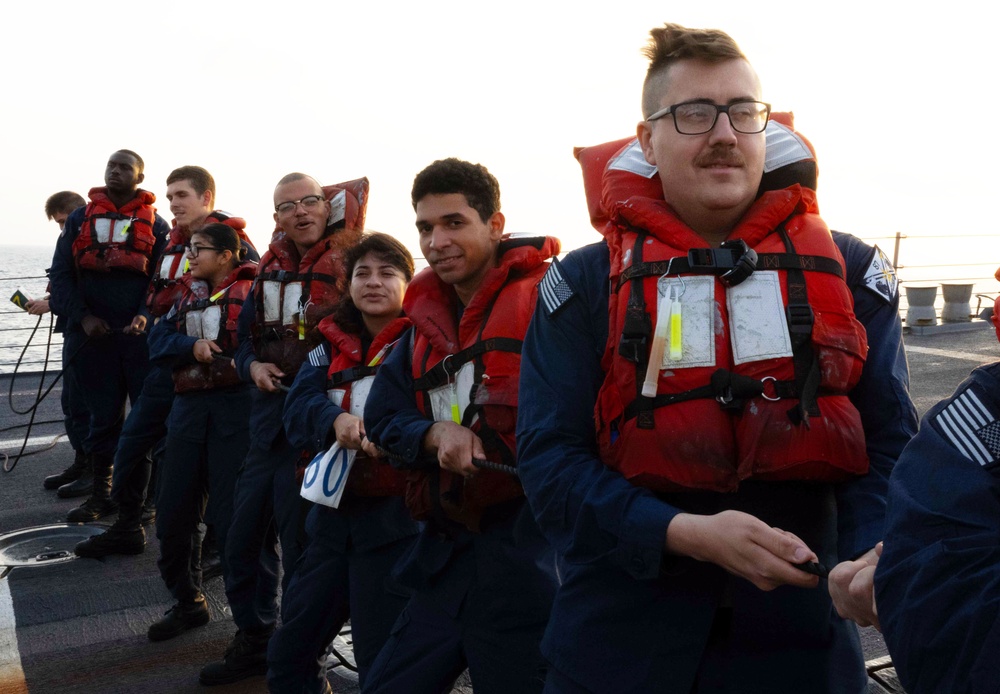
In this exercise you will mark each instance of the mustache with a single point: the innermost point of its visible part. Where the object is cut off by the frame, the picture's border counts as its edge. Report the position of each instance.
(724, 156)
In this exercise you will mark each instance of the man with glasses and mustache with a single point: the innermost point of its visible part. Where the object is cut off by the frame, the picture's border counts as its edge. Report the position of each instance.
(298, 282)
(700, 452)
(191, 193)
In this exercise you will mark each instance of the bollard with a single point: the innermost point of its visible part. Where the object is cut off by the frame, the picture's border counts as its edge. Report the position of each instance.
(957, 298)
(920, 305)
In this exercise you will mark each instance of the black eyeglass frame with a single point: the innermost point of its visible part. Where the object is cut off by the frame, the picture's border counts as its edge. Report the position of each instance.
(719, 108)
(283, 207)
(195, 251)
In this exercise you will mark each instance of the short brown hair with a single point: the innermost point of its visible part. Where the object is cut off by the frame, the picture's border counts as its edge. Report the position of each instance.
(200, 179)
(63, 201)
(672, 43)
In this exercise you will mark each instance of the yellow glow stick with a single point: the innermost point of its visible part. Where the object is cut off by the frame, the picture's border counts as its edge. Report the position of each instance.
(456, 415)
(676, 343)
(656, 352)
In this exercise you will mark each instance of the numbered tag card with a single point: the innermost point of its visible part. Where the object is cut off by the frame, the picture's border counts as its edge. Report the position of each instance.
(326, 476)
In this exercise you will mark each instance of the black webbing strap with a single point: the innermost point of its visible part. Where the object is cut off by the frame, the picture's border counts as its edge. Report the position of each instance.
(800, 324)
(635, 339)
(443, 371)
(355, 373)
(716, 261)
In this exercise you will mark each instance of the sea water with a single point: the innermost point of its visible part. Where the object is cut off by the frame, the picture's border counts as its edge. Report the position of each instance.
(24, 267)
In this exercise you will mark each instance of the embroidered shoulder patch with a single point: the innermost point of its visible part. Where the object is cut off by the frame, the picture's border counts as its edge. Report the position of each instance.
(553, 289)
(880, 277)
(971, 426)
(319, 357)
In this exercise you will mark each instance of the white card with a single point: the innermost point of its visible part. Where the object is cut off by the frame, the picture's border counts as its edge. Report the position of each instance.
(758, 328)
(697, 297)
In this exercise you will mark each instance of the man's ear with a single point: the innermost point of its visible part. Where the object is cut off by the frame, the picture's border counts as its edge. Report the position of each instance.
(496, 223)
(644, 133)
(140, 178)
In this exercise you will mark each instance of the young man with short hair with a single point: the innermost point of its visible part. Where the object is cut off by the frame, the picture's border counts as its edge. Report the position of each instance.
(444, 407)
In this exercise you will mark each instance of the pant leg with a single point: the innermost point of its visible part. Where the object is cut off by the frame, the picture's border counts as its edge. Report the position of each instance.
(313, 608)
(290, 508)
(252, 582)
(374, 609)
(102, 383)
(144, 427)
(75, 412)
(182, 499)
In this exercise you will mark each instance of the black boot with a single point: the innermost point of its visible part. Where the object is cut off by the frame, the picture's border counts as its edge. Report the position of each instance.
(99, 504)
(121, 538)
(82, 484)
(70, 474)
(180, 618)
(245, 657)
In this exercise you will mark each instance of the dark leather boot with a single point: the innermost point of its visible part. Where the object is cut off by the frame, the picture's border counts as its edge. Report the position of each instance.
(99, 504)
(121, 538)
(70, 474)
(83, 484)
(180, 618)
(245, 657)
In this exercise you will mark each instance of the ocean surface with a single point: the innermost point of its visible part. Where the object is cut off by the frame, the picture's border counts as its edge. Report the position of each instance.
(23, 267)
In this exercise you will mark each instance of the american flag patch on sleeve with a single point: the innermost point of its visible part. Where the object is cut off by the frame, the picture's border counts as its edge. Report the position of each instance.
(971, 427)
(553, 289)
(319, 357)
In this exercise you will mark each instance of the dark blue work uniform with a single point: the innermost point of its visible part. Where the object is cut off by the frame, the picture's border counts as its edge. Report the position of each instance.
(112, 367)
(145, 426)
(266, 502)
(937, 584)
(207, 440)
(630, 618)
(348, 557)
(477, 596)
(76, 416)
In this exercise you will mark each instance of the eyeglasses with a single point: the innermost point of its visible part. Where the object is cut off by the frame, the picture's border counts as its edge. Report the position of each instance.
(193, 251)
(309, 202)
(699, 117)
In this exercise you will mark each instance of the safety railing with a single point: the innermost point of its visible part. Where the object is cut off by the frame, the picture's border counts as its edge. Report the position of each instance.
(16, 326)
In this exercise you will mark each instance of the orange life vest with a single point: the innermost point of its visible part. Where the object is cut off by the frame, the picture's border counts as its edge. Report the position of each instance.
(172, 263)
(468, 370)
(349, 378)
(113, 238)
(764, 361)
(212, 316)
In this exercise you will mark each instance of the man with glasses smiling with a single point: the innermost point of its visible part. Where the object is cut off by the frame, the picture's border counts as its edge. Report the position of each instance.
(698, 469)
(298, 282)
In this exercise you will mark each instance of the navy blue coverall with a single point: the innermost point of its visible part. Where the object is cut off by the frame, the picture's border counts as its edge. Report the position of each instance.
(630, 618)
(937, 584)
(348, 557)
(112, 367)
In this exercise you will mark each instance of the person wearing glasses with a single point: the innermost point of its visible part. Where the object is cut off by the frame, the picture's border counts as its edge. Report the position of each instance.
(711, 403)
(101, 268)
(299, 282)
(191, 193)
(208, 426)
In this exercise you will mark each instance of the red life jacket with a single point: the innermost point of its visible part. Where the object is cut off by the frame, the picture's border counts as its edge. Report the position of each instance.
(113, 238)
(172, 263)
(478, 360)
(212, 317)
(292, 294)
(349, 378)
(732, 408)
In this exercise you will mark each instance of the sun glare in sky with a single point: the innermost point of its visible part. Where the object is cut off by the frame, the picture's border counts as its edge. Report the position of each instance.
(885, 92)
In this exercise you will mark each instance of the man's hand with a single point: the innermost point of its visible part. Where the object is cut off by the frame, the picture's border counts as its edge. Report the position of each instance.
(349, 430)
(455, 446)
(852, 589)
(266, 376)
(742, 545)
(94, 326)
(138, 326)
(37, 307)
(204, 349)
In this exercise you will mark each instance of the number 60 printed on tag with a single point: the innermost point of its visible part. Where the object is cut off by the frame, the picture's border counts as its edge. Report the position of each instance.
(326, 476)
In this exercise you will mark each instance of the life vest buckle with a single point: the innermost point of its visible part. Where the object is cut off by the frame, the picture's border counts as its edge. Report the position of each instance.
(800, 318)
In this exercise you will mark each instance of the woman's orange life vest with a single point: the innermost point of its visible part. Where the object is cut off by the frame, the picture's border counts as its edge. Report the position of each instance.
(113, 238)
(349, 378)
(209, 315)
(172, 263)
(757, 386)
(467, 371)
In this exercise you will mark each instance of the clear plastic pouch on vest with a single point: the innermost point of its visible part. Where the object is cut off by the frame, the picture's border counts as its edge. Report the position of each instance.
(204, 324)
(326, 476)
(450, 401)
(111, 230)
(281, 301)
(758, 328)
